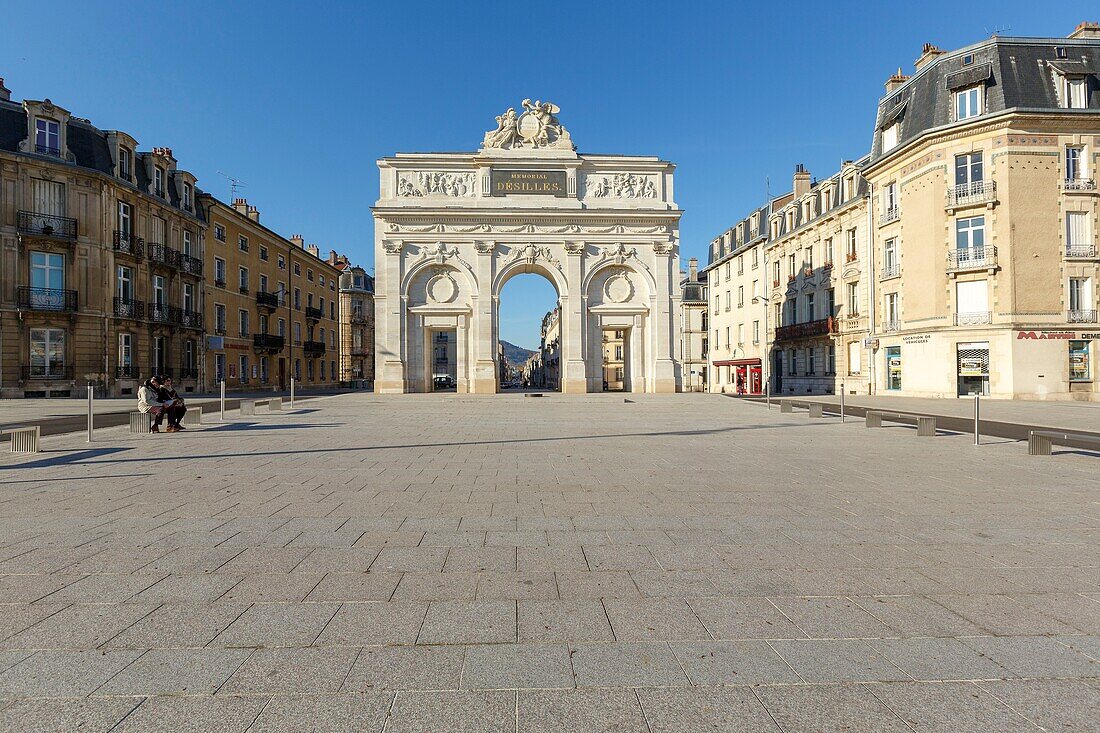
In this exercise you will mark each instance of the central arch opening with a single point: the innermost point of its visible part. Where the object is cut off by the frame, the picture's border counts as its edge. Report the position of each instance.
(529, 335)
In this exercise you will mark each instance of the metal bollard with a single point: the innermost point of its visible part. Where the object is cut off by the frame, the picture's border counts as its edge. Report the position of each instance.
(768, 394)
(223, 402)
(91, 411)
(977, 437)
(292, 393)
(842, 401)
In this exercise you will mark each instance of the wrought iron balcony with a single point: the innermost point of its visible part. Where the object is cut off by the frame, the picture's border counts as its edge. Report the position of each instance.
(809, 329)
(972, 258)
(888, 215)
(1081, 316)
(48, 150)
(190, 319)
(971, 194)
(163, 255)
(314, 314)
(267, 300)
(46, 372)
(243, 289)
(126, 371)
(1081, 250)
(219, 283)
(129, 308)
(37, 224)
(190, 265)
(358, 316)
(1079, 184)
(891, 270)
(162, 313)
(314, 348)
(268, 343)
(220, 330)
(46, 299)
(128, 243)
(973, 318)
(360, 351)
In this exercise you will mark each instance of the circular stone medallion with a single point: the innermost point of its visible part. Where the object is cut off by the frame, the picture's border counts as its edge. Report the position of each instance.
(442, 288)
(618, 288)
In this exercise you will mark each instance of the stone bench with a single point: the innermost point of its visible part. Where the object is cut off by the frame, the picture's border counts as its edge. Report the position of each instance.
(1040, 442)
(926, 425)
(193, 416)
(140, 422)
(24, 439)
(275, 404)
(814, 409)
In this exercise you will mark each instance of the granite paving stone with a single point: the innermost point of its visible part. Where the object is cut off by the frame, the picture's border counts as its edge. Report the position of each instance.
(278, 624)
(732, 663)
(62, 673)
(1055, 705)
(829, 709)
(340, 713)
(571, 711)
(290, 670)
(563, 620)
(406, 668)
(478, 711)
(692, 710)
(626, 664)
(1034, 656)
(360, 624)
(512, 666)
(193, 715)
(87, 715)
(836, 660)
(653, 619)
(179, 625)
(469, 622)
(951, 707)
(176, 672)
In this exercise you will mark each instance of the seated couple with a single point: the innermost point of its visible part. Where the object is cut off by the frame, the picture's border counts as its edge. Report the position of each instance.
(158, 398)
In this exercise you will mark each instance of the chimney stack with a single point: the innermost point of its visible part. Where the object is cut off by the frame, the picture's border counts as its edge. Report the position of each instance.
(241, 206)
(332, 258)
(896, 81)
(801, 185)
(693, 270)
(927, 55)
(314, 250)
(253, 213)
(5, 93)
(298, 241)
(1088, 29)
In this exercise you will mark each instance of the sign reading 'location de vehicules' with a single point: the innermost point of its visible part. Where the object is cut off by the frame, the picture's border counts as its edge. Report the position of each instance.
(531, 183)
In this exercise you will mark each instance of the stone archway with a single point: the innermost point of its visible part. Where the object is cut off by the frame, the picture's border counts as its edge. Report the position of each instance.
(451, 229)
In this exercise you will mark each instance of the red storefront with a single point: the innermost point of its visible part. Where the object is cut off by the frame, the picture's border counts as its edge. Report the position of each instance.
(746, 372)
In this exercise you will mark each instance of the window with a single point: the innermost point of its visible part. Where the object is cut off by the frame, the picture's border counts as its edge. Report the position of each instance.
(219, 319)
(125, 288)
(740, 296)
(727, 337)
(968, 103)
(262, 325)
(125, 221)
(298, 370)
(1080, 298)
(219, 232)
(828, 252)
(159, 230)
(809, 257)
(47, 137)
(970, 236)
(219, 272)
(890, 263)
(297, 299)
(188, 298)
(189, 358)
(49, 199)
(263, 283)
(727, 300)
(890, 137)
(755, 257)
(309, 370)
(853, 299)
(243, 373)
(322, 370)
(756, 332)
(971, 301)
(1079, 361)
(282, 327)
(219, 367)
(830, 359)
(892, 311)
(1078, 236)
(792, 362)
(263, 253)
(309, 300)
(810, 310)
(47, 352)
(830, 303)
(187, 196)
(282, 262)
(309, 275)
(242, 279)
(297, 334)
(332, 310)
(242, 243)
(755, 290)
(811, 360)
(969, 169)
(125, 163)
(854, 356)
(1074, 92)
(890, 198)
(158, 181)
(242, 323)
(851, 254)
(775, 271)
(791, 266)
(187, 249)
(160, 355)
(298, 269)
(741, 264)
(47, 273)
(125, 354)
(160, 290)
(321, 280)
(1075, 158)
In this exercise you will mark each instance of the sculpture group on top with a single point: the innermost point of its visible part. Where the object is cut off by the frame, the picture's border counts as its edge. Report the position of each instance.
(622, 186)
(537, 127)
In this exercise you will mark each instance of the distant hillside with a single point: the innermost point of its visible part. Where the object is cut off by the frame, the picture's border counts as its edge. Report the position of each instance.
(516, 355)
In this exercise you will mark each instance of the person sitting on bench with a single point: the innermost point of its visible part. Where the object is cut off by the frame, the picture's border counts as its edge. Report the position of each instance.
(173, 404)
(150, 403)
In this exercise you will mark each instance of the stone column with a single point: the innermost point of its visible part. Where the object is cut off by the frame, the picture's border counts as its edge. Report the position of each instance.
(389, 310)
(666, 326)
(462, 354)
(640, 380)
(485, 308)
(574, 373)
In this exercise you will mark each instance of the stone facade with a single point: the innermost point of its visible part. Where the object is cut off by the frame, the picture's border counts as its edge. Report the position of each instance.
(452, 228)
(694, 328)
(357, 327)
(101, 249)
(271, 305)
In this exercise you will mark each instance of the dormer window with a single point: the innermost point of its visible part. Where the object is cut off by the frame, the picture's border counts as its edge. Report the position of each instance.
(968, 103)
(890, 137)
(1073, 92)
(187, 194)
(47, 137)
(125, 163)
(158, 181)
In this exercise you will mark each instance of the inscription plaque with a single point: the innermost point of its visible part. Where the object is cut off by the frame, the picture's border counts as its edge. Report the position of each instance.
(528, 183)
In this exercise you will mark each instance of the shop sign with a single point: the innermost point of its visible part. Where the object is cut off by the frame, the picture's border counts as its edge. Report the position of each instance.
(1046, 335)
(215, 343)
(920, 338)
(971, 366)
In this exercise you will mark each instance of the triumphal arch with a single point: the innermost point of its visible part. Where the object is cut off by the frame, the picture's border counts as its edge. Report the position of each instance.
(452, 228)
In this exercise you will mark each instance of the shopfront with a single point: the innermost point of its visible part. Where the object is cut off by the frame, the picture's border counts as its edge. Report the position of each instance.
(972, 362)
(893, 368)
(745, 375)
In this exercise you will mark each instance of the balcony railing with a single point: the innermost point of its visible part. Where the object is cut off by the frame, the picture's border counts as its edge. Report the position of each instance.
(1079, 184)
(190, 265)
(243, 289)
(972, 258)
(129, 308)
(46, 372)
(190, 319)
(126, 371)
(314, 314)
(360, 351)
(128, 243)
(267, 342)
(219, 283)
(267, 300)
(891, 270)
(46, 225)
(220, 330)
(1081, 316)
(314, 348)
(889, 215)
(809, 329)
(358, 316)
(47, 299)
(851, 256)
(1080, 250)
(973, 318)
(163, 255)
(48, 150)
(890, 326)
(161, 313)
(969, 194)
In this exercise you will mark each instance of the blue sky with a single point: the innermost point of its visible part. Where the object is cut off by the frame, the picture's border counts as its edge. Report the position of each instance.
(299, 99)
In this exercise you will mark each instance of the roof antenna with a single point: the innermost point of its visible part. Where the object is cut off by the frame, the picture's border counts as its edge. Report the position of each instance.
(235, 184)
(997, 31)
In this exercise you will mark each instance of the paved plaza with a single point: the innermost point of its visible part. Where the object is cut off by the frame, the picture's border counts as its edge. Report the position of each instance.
(569, 564)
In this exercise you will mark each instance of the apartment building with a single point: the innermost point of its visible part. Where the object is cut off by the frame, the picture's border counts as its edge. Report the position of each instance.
(984, 202)
(694, 328)
(270, 304)
(101, 248)
(356, 323)
(738, 305)
(818, 284)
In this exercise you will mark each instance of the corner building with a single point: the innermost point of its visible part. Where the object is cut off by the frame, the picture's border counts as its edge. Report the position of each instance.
(984, 202)
(452, 228)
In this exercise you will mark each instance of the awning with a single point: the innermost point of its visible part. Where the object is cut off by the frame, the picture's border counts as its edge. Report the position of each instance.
(738, 362)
